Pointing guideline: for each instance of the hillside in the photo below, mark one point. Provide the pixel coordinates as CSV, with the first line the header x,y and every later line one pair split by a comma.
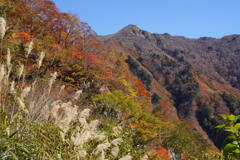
x,y
66,93
199,74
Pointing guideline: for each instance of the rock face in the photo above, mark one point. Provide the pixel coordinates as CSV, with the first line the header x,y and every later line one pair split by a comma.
x,y
200,78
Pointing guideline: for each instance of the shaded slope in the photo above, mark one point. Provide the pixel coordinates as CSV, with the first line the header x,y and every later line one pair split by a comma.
x,y
195,72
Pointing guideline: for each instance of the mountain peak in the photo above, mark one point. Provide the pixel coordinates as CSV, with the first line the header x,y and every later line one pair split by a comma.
x,y
130,29
131,26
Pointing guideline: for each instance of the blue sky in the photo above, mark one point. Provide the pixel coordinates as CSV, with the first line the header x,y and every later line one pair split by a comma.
x,y
189,18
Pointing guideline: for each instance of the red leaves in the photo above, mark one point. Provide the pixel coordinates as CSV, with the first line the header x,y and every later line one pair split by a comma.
x,y
141,88
26,37
81,55
139,83
91,56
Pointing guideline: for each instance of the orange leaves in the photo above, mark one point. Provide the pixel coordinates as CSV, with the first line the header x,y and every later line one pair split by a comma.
x,y
108,74
81,55
145,130
164,152
92,57
144,123
56,47
139,83
160,153
141,124
78,54
141,88
152,152
26,37
133,126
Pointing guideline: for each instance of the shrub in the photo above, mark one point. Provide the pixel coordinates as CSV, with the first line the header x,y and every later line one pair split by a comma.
x,y
231,150
142,74
232,103
155,98
183,140
131,112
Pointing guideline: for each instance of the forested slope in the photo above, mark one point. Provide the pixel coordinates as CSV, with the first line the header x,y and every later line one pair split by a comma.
x,y
65,94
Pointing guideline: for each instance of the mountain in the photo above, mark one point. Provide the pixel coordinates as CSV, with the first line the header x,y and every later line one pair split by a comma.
x,y
199,77
67,93
217,57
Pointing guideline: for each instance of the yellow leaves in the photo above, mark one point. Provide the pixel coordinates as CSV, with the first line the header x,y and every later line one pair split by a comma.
x,y
152,152
145,130
132,92
76,74
14,36
60,55
144,123
77,67
113,56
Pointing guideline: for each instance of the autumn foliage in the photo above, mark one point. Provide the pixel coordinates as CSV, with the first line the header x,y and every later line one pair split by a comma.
x,y
25,37
82,55
141,88
78,54
108,74
80,58
56,47
163,152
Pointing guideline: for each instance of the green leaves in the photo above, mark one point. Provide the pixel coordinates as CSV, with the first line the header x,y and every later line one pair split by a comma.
x,y
231,151
23,139
119,101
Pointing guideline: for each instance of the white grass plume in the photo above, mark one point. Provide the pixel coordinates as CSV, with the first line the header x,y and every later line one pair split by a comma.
x,y
127,157
9,58
115,151
61,90
102,147
102,156
78,139
34,85
12,87
28,48
117,130
2,72
22,105
3,27
20,71
85,113
40,59
83,122
93,125
25,92
82,153
117,141
145,157
100,136
77,94
51,81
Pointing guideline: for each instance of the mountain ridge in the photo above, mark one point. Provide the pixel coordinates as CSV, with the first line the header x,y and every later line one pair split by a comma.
x,y
203,70
132,95
133,26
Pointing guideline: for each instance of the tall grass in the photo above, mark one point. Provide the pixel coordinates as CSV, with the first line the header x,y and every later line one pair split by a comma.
x,y
37,123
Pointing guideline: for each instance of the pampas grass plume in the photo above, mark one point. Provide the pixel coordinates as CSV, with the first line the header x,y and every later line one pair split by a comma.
x,y
40,59
3,27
